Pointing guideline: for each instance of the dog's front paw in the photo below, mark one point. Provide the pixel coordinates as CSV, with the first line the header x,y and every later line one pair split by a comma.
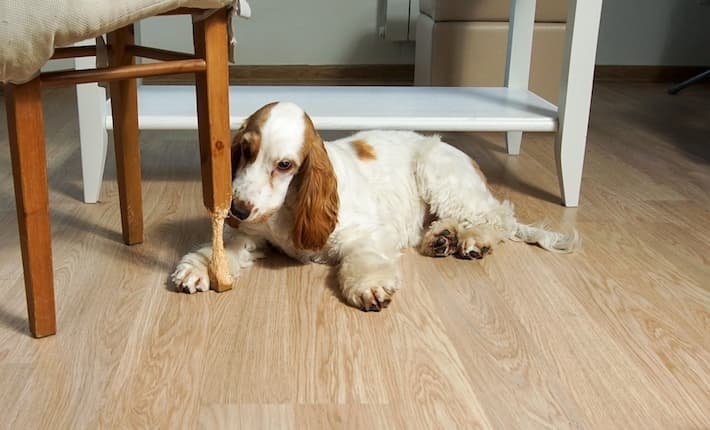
x,y
191,274
375,298
371,294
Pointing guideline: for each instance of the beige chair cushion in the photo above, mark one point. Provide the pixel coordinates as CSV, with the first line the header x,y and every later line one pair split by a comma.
x,y
489,10
31,29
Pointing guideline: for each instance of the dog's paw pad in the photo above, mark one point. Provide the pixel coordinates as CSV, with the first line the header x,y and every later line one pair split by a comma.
x,y
441,244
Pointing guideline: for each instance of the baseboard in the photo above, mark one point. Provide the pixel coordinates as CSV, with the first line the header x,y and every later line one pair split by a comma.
x,y
367,74
646,73
402,74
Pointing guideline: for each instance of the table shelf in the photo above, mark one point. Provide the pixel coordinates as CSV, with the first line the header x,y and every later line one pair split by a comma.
x,y
359,107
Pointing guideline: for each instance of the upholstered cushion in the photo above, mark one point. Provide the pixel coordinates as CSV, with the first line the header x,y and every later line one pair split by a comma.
x,y
31,29
489,10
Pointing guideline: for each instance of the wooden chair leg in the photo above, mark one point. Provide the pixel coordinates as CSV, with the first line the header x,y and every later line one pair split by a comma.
x,y
124,109
210,39
29,169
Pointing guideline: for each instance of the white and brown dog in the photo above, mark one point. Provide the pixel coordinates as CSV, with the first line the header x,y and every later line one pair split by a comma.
x,y
356,201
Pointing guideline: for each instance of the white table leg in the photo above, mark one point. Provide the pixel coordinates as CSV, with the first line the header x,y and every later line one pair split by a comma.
x,y
576,95
517,70
513,140
91,103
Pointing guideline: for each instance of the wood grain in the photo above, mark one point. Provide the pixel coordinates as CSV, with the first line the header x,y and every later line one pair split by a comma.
x,y
124,110
29,169
613,337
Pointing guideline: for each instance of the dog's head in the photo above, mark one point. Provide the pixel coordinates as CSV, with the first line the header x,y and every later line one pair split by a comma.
x,y
278,159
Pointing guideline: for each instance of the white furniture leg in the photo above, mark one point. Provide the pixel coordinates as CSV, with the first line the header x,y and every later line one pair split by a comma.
x,y
91,103
513,140
576,95
517,69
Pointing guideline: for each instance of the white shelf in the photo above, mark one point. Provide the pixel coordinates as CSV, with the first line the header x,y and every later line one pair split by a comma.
x,y
355,108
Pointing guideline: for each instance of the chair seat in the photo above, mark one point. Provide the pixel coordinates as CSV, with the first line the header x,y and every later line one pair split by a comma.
x,y
31,29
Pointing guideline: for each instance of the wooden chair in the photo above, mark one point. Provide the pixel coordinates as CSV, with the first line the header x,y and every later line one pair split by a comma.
x,y
26,135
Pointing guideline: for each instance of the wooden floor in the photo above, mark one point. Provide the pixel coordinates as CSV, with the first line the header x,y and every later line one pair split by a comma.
x,y
616,336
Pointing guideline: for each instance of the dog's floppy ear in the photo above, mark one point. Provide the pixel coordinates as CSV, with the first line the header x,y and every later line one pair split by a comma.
x,y
316,201
239,142
247,141
236,157
237,150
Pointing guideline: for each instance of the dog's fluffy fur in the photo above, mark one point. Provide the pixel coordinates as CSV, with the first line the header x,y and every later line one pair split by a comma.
x,y
356,202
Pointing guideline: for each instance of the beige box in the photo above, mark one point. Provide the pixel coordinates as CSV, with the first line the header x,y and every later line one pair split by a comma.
x,y
489,10
473,53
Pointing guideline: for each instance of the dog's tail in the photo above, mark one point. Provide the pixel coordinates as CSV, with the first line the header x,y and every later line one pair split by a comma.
x,y
547,239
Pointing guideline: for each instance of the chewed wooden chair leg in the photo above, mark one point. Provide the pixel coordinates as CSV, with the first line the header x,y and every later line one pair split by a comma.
x,y
212,88
124,109
29,169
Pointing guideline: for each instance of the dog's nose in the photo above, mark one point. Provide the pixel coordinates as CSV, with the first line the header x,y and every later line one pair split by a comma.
x,y
240,211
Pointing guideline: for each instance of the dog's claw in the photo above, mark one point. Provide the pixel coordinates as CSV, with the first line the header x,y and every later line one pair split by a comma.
x,y
373,307
376,299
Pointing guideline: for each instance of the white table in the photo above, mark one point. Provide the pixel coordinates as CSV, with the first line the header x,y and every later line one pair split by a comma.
x,y
512,109
360,107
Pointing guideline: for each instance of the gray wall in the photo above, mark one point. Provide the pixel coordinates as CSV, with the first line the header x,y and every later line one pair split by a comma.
x,y
633,32
655,32
298,32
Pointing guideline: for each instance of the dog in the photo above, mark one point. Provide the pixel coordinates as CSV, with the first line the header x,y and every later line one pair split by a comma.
x,y
356,202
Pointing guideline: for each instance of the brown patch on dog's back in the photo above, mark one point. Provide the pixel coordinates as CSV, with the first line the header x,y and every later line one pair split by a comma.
x,y
364,150
478,170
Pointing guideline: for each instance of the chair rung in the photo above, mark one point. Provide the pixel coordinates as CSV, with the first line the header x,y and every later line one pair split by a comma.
x,y
71,77
157,54
74,51
184,11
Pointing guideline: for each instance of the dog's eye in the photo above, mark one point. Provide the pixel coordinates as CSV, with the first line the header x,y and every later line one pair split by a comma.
x,y
283,165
